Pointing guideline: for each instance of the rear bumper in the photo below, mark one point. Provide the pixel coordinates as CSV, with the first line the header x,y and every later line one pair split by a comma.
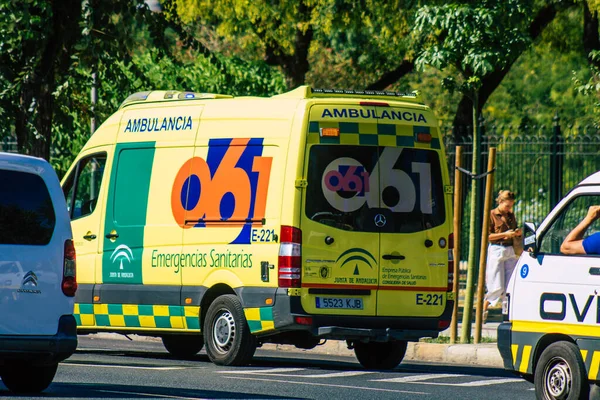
x,y
341,327
37,349
504,344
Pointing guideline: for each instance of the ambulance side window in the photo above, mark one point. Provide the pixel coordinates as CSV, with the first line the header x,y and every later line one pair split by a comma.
x,y
570,216
82,187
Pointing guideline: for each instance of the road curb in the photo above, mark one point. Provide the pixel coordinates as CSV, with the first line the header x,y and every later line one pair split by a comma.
x,y
483,354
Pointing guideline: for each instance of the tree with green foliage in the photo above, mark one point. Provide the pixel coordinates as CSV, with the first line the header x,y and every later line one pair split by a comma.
x,y
339,43
481,41
476,41
51,49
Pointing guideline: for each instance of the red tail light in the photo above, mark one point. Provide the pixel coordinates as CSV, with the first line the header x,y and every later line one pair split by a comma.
x,y
290,257
69,280
450,287
443,324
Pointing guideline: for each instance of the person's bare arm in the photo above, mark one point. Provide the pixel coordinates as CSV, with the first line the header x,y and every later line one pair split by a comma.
x,y
573,243
493,237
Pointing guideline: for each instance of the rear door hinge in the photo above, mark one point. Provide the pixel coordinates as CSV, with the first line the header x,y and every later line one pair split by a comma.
x,y
301,183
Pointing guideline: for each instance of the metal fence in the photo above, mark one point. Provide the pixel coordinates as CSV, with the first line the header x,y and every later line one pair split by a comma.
x,y
540,164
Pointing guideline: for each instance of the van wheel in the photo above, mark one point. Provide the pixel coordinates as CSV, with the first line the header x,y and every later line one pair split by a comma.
x,y
377,355
28,378
226,332
560,373
183,346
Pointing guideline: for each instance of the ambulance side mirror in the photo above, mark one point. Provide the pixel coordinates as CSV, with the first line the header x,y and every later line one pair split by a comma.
x,y
529,242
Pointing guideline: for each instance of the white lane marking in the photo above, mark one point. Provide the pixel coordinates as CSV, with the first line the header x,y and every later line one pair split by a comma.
x,y
484,382
262,371
274,372
416,378
325,384
72,364
149,394
331,374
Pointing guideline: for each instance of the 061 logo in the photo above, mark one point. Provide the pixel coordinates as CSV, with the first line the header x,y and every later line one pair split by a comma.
x,y
347,185
229,188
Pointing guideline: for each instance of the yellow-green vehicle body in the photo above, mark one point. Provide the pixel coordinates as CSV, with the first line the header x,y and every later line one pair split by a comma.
x,y
326,214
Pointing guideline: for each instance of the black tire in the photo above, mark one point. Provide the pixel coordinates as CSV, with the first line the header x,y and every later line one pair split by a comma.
x,y
183,346
28,378
561,374
377,355
226,333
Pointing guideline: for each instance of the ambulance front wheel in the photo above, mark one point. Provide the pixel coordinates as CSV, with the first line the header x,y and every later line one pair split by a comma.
x,y
377,355
560,373
183,346
226,333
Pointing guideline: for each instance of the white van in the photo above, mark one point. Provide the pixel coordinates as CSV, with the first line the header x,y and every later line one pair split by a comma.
x,y
37,274
551,333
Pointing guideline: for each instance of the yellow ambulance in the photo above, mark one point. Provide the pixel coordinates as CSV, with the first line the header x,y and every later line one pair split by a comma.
x,y
237,221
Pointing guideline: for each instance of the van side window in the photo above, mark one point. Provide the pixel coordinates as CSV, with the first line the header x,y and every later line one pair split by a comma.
x,y
82,187
26,210
569,217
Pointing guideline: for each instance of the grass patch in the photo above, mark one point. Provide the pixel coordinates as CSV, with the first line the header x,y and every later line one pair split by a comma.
x,y
446,340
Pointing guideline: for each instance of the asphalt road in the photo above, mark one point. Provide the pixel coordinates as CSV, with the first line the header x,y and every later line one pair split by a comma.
x,y
142,369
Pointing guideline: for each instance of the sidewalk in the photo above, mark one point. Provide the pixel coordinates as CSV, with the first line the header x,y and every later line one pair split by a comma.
x,y
483,354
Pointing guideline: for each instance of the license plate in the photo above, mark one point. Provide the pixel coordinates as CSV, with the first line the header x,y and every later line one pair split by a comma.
x,y
339,303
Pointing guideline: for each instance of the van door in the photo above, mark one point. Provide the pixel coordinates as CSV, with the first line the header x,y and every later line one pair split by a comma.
x,y
554,292
84,192
414,233
141,264
32,237
374,224
340,238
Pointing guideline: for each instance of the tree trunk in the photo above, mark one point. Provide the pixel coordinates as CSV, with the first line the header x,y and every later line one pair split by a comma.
x,y
33,122
296,66
21,117
393,76
591,40
474,243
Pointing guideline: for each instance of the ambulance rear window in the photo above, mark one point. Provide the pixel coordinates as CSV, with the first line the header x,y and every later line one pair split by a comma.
x,y
375,189
26,209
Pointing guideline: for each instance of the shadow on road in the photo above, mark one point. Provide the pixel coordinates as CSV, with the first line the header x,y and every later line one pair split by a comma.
x,y
111,391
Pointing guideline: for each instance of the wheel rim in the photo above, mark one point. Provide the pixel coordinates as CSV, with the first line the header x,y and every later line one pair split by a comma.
x,y
224,331
557,378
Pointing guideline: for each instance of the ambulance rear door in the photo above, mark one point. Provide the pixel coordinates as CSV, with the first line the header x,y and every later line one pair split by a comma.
x,y
340,240
412,220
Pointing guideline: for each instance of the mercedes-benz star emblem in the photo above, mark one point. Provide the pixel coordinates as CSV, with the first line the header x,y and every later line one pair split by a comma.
x,y
380,220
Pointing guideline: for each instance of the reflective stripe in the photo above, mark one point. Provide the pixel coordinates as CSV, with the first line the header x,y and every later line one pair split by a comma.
x,y
525,358
515,350
593,374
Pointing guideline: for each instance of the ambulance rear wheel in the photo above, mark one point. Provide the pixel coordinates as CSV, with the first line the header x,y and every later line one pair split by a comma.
x,y
377,355
183,346
561,374
226,332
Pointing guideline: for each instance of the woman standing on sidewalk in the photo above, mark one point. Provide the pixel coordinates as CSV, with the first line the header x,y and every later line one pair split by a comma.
x,y
501,258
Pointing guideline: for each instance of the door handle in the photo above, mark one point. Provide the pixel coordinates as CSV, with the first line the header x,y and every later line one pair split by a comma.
x,y
112,235
594,271
89,236
393,257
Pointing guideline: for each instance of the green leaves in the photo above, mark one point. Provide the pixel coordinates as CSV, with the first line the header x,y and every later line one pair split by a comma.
x,y
476,39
